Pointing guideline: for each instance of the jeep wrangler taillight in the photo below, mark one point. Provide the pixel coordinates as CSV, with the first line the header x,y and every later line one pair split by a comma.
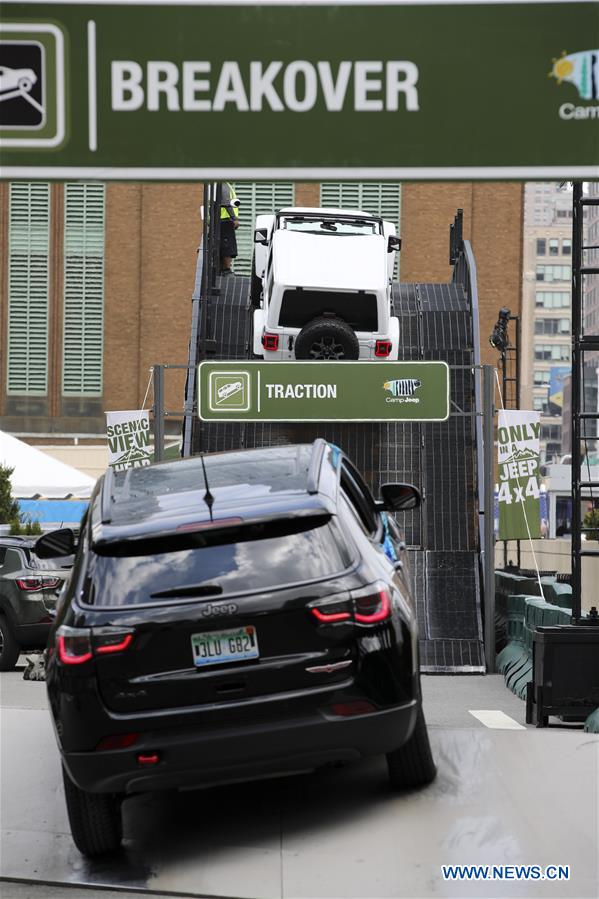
x,y
270,342
382,348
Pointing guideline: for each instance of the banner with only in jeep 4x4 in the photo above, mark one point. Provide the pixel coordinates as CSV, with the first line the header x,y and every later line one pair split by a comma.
x,y
323,391
207,91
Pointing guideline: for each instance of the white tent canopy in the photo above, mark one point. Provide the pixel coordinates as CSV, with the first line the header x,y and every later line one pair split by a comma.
x,y
37,474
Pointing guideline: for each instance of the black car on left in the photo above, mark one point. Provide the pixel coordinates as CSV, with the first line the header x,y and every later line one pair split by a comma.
x,y
29,588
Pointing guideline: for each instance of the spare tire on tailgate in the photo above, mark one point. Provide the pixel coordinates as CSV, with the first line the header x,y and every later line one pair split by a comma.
x,y
327,338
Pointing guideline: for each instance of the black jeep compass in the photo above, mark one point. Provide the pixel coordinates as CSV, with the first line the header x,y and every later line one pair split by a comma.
x,y
229,616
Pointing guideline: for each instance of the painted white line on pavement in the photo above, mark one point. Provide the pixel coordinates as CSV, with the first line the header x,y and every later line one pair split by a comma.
x,y
496,719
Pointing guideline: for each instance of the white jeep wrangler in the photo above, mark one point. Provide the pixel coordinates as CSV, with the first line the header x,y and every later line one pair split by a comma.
x,y
321,285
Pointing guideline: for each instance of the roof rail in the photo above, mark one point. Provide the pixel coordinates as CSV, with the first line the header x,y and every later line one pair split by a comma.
x,y
106,498
318,448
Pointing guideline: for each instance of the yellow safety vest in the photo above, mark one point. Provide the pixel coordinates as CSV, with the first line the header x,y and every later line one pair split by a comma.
x,y
225,211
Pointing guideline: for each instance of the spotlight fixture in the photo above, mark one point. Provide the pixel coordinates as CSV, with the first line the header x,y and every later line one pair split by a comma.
x,y
499,338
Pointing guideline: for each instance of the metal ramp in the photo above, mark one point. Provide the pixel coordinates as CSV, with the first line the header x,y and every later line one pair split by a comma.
x,y
436,322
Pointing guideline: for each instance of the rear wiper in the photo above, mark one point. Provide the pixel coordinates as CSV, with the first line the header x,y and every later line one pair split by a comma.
x,y
190,590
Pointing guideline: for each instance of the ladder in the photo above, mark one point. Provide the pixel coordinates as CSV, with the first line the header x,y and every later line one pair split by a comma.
x,y
585,422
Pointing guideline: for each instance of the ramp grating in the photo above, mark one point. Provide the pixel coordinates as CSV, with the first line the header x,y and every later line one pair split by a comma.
x,y
438,457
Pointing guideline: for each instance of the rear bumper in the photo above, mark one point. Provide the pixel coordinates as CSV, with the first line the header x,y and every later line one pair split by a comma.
x,y
192,757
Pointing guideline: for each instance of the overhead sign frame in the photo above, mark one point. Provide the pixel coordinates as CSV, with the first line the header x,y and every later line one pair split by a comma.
x,y
142,98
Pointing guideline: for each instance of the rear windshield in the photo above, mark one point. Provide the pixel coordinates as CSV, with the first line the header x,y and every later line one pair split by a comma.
x,y
51,564
299,554
33,561
359,310
245,473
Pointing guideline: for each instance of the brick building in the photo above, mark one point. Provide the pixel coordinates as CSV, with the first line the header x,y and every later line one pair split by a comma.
x,y
97,279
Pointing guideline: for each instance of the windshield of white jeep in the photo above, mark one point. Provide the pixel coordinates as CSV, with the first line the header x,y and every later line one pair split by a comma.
x,y
326,225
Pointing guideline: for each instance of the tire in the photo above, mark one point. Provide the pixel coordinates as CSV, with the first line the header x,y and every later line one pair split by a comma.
x,y
327,338
255,286
95,819
9,648
412,765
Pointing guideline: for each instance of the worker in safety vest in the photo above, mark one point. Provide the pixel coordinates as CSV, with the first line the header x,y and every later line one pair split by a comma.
x,y
229,222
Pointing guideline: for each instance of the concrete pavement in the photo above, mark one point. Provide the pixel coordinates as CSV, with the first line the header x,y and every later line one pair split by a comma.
x,y
502,797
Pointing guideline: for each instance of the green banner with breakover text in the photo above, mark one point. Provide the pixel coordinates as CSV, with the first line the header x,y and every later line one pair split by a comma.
x,y
206,91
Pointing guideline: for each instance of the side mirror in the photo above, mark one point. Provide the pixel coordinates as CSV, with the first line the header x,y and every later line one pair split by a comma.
x,y
400,497
56,544
393,243
261,236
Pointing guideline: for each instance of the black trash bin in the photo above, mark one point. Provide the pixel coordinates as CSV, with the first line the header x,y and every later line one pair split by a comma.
x,y
565,673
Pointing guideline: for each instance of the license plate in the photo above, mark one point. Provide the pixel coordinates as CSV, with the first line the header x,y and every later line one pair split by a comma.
x,y
214,647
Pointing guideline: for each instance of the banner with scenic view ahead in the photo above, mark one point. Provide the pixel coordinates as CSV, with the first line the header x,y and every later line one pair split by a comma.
x,y
323,391
398,90
518,471
128,435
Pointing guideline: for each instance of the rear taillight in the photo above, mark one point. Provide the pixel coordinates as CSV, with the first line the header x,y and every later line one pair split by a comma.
x,y
73,645
112,642
31,584
382,348
77,645
330,611
329,616
370,605
270,342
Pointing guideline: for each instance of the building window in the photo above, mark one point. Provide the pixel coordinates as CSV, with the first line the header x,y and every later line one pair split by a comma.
x,y
541,377
552,352
257,198
378,198
28,288
552,326
552,451
83,311
554,273
552,299
541,246
551,432
554,247
566,246
538,403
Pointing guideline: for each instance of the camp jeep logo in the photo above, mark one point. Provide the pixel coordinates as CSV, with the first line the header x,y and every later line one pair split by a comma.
x,y
582,70
32,85
402,390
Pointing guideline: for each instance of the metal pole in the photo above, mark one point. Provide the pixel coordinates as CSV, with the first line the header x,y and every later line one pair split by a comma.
x,y
575,402
158,413
517,406
489,529
503,360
